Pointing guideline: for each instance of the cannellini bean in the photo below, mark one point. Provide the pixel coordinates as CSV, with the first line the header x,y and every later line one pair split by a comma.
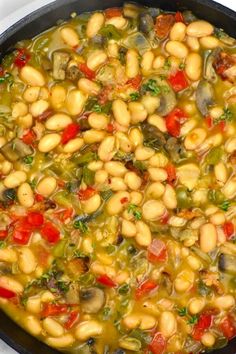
x,y
208,339
199,28
188,175
118,21
177,49
31,94
117,202
136,198
218,218
112,49
193,262
230,145
33,304
107,148
143,236
89,87
157,174
224,302
176,221
115,168
150,103
95,165
95,23
132,180
138,112
11,284
47,186
75,102
178,32
169,197
158,62
189,125
92,204
6,167
143,153
3,141
147,61
38,107
88,329
32,76
98,121
139,320
121,113
155,190
153,210
25,195
48,142
193,66
124,142
19,109
184,281
47,296
117,184
93,136
132,63
73,145
158,160
196,305
58,96
158,122
136,136
69,36
216,112
167,324
25,121
52,327
193,43
209,42
195,138
101,176
61,342
8,255
32,325
208,237
58,122
14,179
27,261
221,173
96,58
128,228
229,188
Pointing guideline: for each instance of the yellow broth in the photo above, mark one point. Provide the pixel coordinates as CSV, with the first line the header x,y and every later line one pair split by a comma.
x,y
117,184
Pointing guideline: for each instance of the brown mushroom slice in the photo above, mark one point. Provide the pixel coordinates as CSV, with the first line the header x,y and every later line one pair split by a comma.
x,y
91,299
60,61
15,150
204,96
73,73
209,71
227,263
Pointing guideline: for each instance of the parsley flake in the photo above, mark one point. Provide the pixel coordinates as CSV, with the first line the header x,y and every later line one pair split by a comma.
x,y
132,208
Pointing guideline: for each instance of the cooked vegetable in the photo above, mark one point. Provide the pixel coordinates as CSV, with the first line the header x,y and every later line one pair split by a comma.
x,y
16,149
146,23
204,97
227,263
60,61
91,299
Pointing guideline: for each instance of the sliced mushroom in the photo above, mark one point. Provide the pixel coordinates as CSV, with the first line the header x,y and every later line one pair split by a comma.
x,y
167,101
227,263
91,299
153,137
146,23
72,295
209,71
15,149
73,73
60,61
204,96
138,41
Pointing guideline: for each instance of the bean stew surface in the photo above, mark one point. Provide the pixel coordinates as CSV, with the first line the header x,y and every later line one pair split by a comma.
x,y
118,184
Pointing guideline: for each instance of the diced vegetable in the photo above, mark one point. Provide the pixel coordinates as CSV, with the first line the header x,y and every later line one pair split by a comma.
x,y
15,149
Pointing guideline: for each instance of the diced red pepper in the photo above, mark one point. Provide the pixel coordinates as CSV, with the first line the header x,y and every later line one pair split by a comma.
x,y
209,121
228,327
157,251
64,214
3,234
171,173
50,232
204,322
73,318
22,231
145,288
179,17
39,198
35,218
178,81
113,12
6,294
70,132
135,82
29,137
228,229
124,200
106,281
90,74
158,344
85,194
54,309
163,25
22,58
173,120
110,128
1,71
164,219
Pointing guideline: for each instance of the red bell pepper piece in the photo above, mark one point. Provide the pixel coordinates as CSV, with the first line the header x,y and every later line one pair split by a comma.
x,y
35,219
135,82
3,234
124,200
39,198
171,173
72,319
158,344
85,194
89,74
110,128
70,132
157,251
54,309
6,294
106,281
179,17
204,322
173,120
228,327
178,81
22,232
29,137
50,232
22,58
113,12
228,229
145,288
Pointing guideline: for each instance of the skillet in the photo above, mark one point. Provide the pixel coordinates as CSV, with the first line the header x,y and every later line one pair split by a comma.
x,y
46,17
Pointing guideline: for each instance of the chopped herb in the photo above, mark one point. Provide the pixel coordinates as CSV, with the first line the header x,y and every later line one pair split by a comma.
x,y
106,312
106,195
214,156
132,208
193,319
152,87
7,78
134,96
81,226
123,156
79,254
182,66
88,176
33,183
219,33
110,249
225,205
167,64
85,158
140,165
111,32
63,286
97,108
203,289
144,337
3,244
28,160
183,311
227,116
124,289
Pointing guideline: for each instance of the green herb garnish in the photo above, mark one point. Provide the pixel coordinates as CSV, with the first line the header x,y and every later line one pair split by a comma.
x,y
106,195
225,205
183,311
97,108
227,116
28,160
124,289
132,208
81,226
193,319
134,96
152,87
167,64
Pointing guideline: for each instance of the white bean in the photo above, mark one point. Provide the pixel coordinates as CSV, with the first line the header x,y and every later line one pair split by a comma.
x,y
88,329
32,76
225,302
11,284
155,190
52,327
229,188
98,121
89,87
118,21
107,148
95,23
117,184
151,103
64,341
124,142
199,28
25,195
128,228
158,160
167,324
143,153
195,138
70,36
193,43
169,197
138,112
177,49
58,122
139,320
121,113
96,58
38,107
32,325
49,142
92,204
132,63
33,304
8,255
157,174
47,186
58,96
117,202
27,261
19,109
143,236
14,179
75,102
31,94
158,122
209,42
208,237
221,173
147,61
153,210
208,339
115,168
193,66
178,32
73,145
136,137
93,136
132,180
196,305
